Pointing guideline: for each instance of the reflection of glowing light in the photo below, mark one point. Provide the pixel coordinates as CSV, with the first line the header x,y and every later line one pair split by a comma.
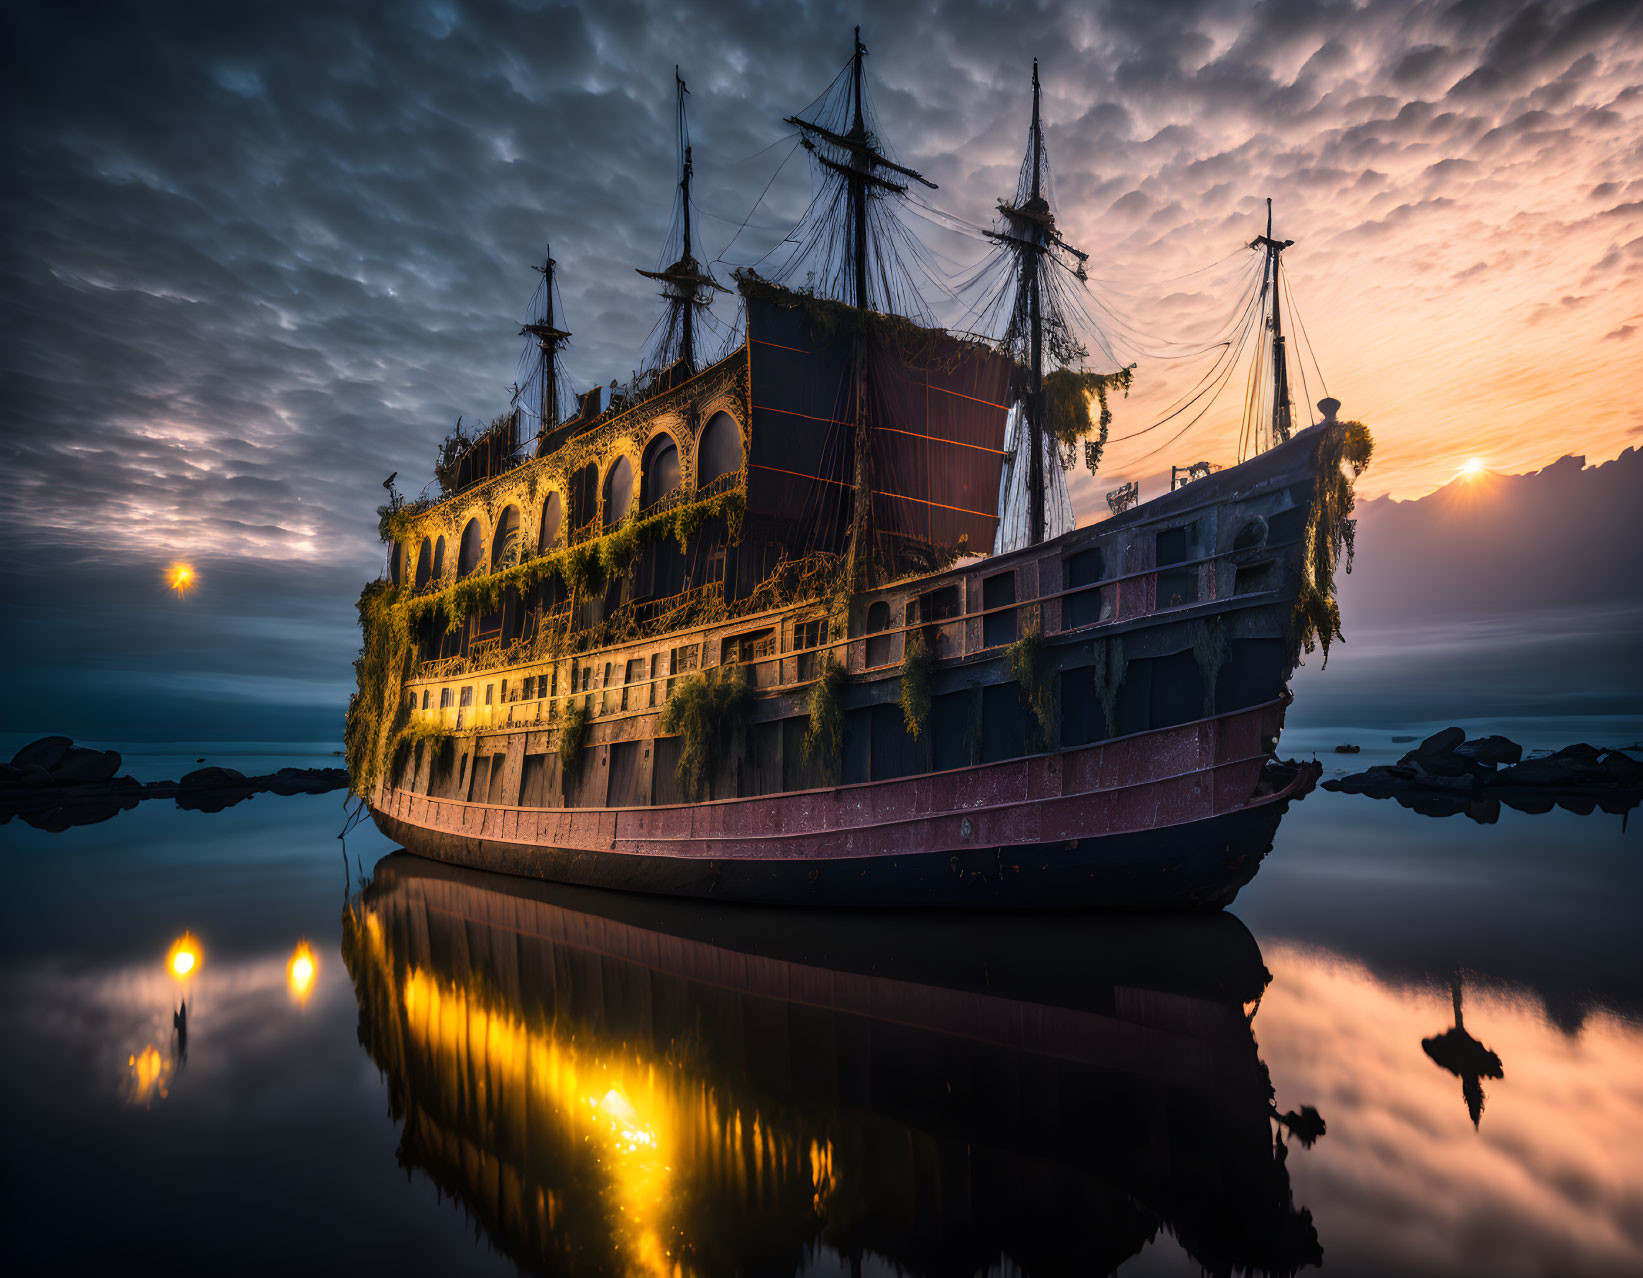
x,y
629,1124
181,578
148,1076
299,972
184,956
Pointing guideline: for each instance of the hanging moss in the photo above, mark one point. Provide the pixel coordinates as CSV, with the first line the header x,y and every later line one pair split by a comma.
x,y
442,739
919,346
573,734
707,711
1329,531
585,568
619,549
684,521
1037,693
1209,650
1109,668
1067,398
917,663
824,734
378,710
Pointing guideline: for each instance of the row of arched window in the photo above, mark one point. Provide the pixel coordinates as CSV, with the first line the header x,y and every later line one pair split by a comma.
x,y
718,453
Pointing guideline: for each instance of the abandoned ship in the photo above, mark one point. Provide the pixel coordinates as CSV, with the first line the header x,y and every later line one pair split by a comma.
x,y
806,618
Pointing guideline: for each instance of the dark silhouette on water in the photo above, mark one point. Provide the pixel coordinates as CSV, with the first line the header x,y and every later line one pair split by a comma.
x,y
179,1032
1465,1057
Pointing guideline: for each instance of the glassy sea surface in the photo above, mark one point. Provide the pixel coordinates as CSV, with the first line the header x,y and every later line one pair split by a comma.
x,y
392,1066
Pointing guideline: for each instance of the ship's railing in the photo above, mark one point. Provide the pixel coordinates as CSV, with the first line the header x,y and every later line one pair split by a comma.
x,y
586,532
675,496
1126,600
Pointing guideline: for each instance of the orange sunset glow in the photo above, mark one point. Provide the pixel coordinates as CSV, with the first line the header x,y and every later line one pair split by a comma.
x,y
181,578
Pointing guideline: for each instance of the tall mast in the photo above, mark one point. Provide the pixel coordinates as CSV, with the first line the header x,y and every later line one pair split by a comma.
x,y
548,341
1030,233
858,161
688,344
1035,319
685,283
858,186
1281,415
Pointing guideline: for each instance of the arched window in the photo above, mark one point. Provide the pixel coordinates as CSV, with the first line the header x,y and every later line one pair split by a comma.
x,y
660,471
396,563
878,643
720,451
551,517
439,559
424,563
618,491
505,545
472,552
584,489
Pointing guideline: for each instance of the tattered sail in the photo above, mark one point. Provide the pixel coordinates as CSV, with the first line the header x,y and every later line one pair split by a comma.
x,y
1015,498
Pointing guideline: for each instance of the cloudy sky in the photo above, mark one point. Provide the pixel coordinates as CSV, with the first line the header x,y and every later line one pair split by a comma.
x,y
258,256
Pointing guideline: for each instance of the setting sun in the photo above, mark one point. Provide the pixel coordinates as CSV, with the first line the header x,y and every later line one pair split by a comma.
x,y
181,578
1473,467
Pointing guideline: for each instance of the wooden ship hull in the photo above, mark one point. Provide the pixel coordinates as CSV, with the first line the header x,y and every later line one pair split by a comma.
x,y
771,1072
1175,808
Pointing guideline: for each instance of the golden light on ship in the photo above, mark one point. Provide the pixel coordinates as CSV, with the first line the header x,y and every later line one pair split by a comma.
x,y
183,957
300,972
181,578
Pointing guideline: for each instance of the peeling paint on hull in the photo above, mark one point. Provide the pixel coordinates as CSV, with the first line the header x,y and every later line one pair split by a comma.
x,y
1169,818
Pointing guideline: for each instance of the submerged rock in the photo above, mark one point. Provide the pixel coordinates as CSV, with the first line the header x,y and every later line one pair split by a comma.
x,y
78,786
1446,775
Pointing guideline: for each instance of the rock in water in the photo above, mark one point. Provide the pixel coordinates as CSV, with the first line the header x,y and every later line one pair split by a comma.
x,y
80,766
213,789
1491,750
45,753
1439,743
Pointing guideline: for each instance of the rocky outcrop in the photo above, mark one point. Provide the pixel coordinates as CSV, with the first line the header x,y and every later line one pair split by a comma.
x,y
1447,775
53,784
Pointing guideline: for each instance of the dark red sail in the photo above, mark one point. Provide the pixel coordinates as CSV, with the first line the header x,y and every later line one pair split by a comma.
x,y
934,403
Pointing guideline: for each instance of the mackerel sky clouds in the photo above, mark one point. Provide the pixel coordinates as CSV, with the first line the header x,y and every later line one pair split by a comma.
x,y
258,256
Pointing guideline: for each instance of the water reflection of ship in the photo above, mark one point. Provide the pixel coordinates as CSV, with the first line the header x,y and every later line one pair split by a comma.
x,y
632,1084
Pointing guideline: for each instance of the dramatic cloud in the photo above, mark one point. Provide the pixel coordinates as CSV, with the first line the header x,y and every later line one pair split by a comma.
x,y
257,258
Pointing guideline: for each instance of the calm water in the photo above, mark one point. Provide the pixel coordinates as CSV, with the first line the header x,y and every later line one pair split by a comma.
x,y
486,1076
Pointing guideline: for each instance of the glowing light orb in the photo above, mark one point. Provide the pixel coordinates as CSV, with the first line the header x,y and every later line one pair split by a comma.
x,y
1473,467
183,957
300,972
181,578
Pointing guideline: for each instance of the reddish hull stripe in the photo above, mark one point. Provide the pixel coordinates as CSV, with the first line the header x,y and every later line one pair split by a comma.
x,y
1015,802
